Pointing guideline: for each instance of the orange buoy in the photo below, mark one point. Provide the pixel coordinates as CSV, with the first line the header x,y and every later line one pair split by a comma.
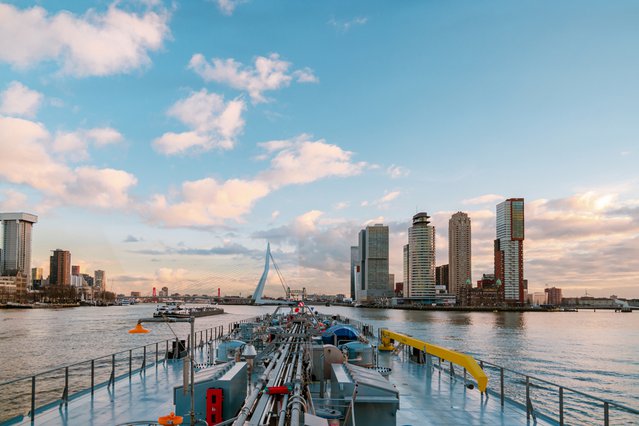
x,y
170,420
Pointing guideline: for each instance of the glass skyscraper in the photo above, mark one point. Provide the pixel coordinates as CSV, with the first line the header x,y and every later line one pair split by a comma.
x,y
509,249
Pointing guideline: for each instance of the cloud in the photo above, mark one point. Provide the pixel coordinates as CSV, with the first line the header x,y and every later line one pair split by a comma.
x,y
131,239
344,26
27,161
19,100
388,197
12,200
213,123
302,160
210,202
226,249
269,73
227,7
485,199
75,145
341,205
397,171
93,44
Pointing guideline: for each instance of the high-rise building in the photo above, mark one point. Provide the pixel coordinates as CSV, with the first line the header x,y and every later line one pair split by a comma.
x,y
509,249
16,243
354,263
554,296
441,276
60,268
36,278
373,263
391,283
100,280
459,252
75,270
419,259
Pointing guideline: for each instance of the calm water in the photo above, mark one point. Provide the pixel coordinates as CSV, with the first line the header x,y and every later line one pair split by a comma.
x,y
597,352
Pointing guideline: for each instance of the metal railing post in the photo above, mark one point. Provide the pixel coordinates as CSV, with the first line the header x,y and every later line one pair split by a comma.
x,y
527,398
501,385
130,361
65,392
112,378
561,406
606,414
166,351
156,354
33,397
143,361
92,375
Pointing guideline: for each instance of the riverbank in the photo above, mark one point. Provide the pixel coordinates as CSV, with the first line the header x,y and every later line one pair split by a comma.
x,y
13,305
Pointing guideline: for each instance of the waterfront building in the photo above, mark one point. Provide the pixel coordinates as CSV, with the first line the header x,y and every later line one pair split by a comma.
x,y
441,276
373,264
13,288
486,295
487,280
537,299
391,284
165,292
419,259
15,256
60,268
554,296
100,280
459,252
399,289
88,279
36,278
509,249
354,268
75,270
134,293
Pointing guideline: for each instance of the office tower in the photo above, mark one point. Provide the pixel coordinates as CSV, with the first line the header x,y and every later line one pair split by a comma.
x,y
509,249
441,276
75,270
419,258
373,263
459,252
391,284
354,263
554,295
36,278
60,268
16,243
100,280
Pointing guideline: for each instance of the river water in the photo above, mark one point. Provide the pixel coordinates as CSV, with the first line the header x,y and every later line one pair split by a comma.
x,y
595,352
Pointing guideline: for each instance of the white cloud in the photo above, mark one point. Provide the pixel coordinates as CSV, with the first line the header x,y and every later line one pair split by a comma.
x,y
389,197
19,100
74,146
301,160
344,26
102,136
213,123
397,171
208,202
27,161
227,7
341,205
485,199
269,73
93,44
12,200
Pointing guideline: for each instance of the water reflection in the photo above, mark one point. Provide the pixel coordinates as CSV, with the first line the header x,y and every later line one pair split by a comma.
x,y
510,320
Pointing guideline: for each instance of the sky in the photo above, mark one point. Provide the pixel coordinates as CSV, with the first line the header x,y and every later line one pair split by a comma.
x,y
167,142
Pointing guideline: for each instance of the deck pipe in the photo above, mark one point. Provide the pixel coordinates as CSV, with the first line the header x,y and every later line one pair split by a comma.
x,y
297,393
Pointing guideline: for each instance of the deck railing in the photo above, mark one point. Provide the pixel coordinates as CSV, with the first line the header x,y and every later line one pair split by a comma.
x,y
24,397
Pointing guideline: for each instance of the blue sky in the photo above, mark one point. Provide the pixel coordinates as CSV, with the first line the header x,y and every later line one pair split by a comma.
x,y
165,142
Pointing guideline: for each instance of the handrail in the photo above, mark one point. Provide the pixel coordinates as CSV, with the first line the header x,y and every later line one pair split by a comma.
x,y
565,388
463,360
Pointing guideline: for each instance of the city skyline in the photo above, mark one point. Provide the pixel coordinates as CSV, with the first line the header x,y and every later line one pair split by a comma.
x,y
177,156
